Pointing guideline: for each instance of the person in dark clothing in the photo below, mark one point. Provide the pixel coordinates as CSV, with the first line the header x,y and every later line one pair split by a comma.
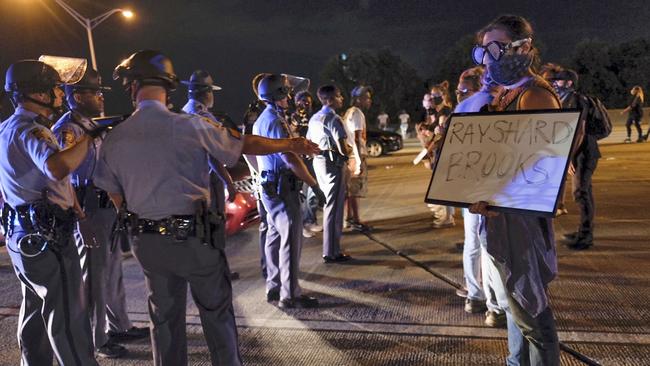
x,y
635,114
583,163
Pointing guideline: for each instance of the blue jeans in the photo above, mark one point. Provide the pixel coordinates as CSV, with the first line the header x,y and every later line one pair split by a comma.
x,y
532,341
472,256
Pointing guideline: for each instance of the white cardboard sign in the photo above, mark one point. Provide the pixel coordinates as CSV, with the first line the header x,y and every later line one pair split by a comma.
x,y
515,161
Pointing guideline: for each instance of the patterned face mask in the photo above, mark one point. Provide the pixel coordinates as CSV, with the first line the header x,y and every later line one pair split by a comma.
x,y
510,68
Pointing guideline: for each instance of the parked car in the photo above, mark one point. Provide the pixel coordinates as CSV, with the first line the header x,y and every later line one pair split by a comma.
x,y
242,212
382,142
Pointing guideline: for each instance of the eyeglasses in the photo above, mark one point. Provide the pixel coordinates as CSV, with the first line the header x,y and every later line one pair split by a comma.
x,y
495,49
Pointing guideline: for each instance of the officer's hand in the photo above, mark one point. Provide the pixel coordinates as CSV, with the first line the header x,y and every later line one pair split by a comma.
x,y
481,208
302,146
320,196
232,192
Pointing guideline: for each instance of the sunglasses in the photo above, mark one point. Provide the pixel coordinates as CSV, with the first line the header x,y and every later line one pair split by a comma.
x,y
495,50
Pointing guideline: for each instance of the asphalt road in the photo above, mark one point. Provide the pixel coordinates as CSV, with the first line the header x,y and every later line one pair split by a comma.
x,y
394,304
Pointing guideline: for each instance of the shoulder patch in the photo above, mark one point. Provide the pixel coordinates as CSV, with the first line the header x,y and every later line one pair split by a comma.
x,y
68,137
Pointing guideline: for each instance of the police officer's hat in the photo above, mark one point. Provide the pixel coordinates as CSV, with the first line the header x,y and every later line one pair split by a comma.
x,y
360,90
90,81
200,81
31,76
273,87
149,67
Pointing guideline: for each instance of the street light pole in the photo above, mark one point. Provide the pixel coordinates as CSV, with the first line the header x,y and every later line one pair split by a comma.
x,y
90,24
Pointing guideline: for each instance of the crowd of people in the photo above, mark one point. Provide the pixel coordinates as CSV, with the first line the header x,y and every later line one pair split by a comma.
x,y
76,192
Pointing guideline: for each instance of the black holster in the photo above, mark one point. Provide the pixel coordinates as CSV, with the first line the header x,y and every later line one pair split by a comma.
x,y
207,224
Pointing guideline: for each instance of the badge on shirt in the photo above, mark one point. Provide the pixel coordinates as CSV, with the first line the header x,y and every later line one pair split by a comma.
x,y
68,137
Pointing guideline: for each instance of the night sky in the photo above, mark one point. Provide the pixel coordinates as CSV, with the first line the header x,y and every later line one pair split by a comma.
x,y
237,39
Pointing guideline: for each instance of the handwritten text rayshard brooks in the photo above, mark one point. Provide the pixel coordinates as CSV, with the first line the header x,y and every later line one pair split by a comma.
x,y
474,163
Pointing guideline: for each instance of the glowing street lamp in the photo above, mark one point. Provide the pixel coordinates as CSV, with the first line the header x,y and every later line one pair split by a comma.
x,y
90,24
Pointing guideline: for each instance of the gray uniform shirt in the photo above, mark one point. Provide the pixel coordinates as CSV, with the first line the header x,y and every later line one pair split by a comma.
x,y
67,133
326,129
158,160
26,146
193,106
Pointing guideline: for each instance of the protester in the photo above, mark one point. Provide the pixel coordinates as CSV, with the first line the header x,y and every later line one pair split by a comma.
x,y
443,216
404,119
585,159
356,130
382,120
549,71
635,114
521,246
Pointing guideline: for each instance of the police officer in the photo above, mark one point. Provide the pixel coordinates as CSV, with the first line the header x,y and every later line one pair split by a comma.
x,y
326,129
281,174
39,218
101,262
155,166
201,90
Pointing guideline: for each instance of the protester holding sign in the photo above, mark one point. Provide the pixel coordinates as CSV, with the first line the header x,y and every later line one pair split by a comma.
x,y
521,246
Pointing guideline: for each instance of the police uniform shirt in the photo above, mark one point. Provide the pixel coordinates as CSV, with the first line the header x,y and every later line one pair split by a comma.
x,y
26,146
193,106
326,129
272,125
158,160
68,132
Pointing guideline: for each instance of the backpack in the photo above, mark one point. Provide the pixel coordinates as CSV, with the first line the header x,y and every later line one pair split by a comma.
x,y
598,123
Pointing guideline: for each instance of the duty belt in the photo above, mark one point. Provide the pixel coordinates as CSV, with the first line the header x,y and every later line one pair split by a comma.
x,y
177,225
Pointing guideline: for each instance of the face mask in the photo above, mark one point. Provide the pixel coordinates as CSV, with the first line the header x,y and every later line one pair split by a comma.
x,y
562,91
510,68
437,100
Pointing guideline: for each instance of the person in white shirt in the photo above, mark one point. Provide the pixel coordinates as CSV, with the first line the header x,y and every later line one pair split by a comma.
x,y
382,121
404,119
355,124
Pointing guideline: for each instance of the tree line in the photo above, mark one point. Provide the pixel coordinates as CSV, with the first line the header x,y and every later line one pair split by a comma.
x,y
607,71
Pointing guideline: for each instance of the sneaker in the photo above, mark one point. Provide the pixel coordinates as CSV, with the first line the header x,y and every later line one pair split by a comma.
x,y
273,295
132,334
307,233
640,139
561,211
580,244
357,226
342,257
443,225
461,292
494,319
110,350
301,302
627,141
474,306
315,228
571,236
